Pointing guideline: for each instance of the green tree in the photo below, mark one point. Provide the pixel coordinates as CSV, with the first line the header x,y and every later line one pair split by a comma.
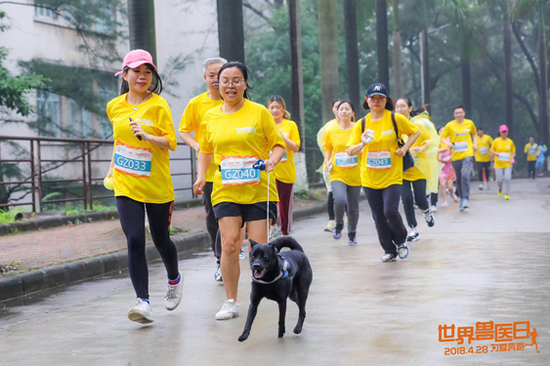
x,y
13,97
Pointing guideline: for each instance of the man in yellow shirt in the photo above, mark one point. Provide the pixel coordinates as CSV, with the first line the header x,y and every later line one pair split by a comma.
x,y
462,136
191,122
483,156
504,152
532,150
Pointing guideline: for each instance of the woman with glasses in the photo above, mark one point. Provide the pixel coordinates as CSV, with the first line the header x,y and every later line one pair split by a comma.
x,y
236,135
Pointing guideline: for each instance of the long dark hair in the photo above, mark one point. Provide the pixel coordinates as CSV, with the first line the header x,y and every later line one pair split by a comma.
x,y
417,111
156,85
389,104
244,70
346,101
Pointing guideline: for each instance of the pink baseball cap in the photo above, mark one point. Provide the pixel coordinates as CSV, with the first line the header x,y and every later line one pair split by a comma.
x,y
136,58
503,128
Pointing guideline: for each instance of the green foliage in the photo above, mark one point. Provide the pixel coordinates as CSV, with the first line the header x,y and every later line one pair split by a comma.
x,y
13,89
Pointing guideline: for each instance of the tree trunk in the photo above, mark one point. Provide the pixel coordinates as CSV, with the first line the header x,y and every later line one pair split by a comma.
x,y
297,91
507,40
141,24
425,56
231,29
466,80
328,49
543,95
382,43
352,53
398,91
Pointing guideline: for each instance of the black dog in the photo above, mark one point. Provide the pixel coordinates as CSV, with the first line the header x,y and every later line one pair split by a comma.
x,y
278,277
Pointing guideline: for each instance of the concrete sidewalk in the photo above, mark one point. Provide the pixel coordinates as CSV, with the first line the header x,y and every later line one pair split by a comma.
x,y
488,264
50,258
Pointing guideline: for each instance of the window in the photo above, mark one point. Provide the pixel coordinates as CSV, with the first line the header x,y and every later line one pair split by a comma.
x,y
49,113
40,11
79,120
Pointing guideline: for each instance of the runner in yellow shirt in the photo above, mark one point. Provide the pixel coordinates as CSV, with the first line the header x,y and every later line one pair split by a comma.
x,y
532,150
285,171
483,157
143,133
424,150
326,175
462,136
235,135
382,167
190,122
504,152
345,172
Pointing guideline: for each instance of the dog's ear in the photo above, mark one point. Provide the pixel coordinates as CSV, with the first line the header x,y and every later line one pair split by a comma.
x,y
252,243
274,248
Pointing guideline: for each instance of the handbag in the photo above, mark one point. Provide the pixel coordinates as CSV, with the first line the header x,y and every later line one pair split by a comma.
x,y
408,160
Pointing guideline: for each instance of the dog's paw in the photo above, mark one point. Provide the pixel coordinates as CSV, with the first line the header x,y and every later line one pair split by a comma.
x,y
297,330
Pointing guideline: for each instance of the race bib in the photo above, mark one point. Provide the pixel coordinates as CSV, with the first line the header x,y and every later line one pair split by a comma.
x,y
504,156
379,159
343,160
238,170
134,161
461,146
483,150
532,151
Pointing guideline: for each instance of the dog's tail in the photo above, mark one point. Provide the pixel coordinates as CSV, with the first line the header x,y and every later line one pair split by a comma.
x,y
287,242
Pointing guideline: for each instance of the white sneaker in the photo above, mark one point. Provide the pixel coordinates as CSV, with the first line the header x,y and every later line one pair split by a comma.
x,y
230,309
330,226
413,235
241,255
141,312
433,208
218,273
174,295
481,186
403,251
274,232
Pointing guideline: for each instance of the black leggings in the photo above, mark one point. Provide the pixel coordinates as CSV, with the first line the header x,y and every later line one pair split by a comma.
x,y
419,187
384,204
132,220
330,206
531,168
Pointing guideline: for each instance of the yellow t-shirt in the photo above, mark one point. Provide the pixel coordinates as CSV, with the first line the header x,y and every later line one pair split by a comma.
x,y
461,136
322,132
237,141
380,167
505,151
345,168
483,153
142,170
191,121
532,151
285,171
414,173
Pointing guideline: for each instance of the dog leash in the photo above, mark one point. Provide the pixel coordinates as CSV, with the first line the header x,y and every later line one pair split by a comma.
x,y
260,165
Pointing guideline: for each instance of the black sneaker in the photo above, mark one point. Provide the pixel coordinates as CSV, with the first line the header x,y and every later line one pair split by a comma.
x,y
352,238
429,217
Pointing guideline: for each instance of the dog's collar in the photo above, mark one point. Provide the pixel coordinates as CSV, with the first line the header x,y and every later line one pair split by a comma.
x,y
284,274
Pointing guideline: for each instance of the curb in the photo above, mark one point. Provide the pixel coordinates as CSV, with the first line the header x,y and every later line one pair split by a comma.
x,y
64,274
49,222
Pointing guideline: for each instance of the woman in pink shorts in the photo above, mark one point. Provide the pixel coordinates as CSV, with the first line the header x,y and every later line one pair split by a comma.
x,y
447,175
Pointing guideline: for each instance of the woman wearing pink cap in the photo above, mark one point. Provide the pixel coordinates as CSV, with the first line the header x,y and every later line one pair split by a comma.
x,y
504,152
143,133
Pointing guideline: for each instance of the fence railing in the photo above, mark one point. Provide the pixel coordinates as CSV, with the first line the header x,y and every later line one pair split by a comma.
x,y
83,148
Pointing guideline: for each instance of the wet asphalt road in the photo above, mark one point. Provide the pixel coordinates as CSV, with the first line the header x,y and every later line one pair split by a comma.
x,y
491,263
